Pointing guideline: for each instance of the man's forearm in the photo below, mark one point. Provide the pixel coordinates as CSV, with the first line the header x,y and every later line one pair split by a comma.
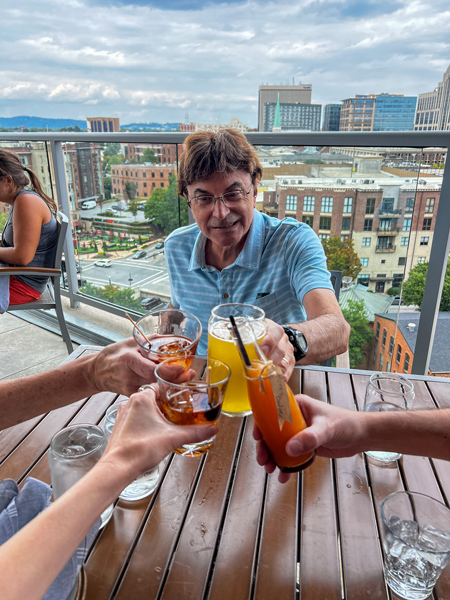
x,y
424,432
326,336
25,398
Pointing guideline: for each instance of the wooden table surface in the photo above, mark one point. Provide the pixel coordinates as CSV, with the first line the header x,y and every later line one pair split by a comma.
x,y
218,528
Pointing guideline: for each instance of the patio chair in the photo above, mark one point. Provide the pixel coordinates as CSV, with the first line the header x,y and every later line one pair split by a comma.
x,y
51,297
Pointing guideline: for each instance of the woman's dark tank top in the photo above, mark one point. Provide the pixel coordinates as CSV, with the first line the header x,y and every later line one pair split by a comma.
x,y
45,252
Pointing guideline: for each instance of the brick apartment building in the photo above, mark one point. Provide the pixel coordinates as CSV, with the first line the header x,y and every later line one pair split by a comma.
x,y
147,177
164,153
391,224
83,172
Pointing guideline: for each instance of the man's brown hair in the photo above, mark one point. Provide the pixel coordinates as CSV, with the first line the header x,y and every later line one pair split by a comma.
x,y
206,152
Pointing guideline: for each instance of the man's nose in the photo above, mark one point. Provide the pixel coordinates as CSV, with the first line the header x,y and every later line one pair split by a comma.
x,y
220,210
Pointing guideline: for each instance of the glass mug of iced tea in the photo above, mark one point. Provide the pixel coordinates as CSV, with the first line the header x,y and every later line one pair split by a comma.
x,y
194,402
221,346
168,333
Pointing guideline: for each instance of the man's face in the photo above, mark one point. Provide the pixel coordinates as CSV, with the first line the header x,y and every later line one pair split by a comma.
x,y
223,226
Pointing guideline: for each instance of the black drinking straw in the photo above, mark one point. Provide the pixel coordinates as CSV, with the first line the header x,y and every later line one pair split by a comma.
x,y
242,349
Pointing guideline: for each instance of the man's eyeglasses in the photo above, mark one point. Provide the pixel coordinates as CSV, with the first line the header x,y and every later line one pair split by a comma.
x,y
230,199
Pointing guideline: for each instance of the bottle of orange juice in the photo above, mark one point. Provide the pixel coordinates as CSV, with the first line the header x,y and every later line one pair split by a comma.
x,y
274,408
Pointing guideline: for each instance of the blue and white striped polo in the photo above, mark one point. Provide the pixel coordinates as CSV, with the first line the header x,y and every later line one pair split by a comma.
x,y
281,261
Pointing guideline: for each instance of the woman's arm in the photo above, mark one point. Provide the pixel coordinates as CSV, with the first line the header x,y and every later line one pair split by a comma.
x,y
31,560
30,213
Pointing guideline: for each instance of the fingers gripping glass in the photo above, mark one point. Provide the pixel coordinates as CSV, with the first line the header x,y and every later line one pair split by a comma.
x,y
229,199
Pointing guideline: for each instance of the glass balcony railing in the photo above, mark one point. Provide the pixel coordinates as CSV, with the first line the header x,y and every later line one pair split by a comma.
x,y
361,188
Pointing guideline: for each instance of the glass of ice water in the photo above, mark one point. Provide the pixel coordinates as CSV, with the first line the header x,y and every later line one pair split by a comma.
x,y
73,452
146,483
416,542
385,392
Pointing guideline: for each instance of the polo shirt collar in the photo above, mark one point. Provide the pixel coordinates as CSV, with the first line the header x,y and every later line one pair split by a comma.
x,y
249,257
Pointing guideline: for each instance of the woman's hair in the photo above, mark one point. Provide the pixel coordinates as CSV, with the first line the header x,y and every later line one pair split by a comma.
x,y
206,152
10,165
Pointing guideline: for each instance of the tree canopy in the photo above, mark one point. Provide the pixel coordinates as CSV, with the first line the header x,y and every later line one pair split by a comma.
x,y
166,209
341,256
361,334
131,190
414,286
148,156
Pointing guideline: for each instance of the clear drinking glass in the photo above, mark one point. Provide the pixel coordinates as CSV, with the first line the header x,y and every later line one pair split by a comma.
x,y
416,541
195,402
146,483
384,392
172,333
73,452
221,346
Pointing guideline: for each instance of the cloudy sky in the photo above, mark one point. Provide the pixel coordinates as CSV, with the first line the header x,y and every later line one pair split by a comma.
x,y
165,60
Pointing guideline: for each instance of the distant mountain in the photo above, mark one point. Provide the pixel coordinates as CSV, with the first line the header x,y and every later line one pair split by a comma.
x,y
40,122
151,126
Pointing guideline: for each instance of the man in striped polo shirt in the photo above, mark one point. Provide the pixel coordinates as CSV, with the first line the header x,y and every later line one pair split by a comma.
x,y
233,253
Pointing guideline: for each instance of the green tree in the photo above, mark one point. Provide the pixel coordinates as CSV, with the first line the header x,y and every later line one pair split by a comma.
x,y
130,190
133,206
112,149
125,297
341,256
3,219
148,156
361,334
414,287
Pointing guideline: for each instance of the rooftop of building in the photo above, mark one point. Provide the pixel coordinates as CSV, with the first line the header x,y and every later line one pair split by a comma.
x,y
373,303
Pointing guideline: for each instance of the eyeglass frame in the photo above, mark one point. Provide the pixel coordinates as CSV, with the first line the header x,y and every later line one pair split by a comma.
x,y
215,198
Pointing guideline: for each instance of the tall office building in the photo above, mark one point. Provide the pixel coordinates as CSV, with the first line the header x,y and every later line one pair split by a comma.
x,y
433,108
331,117
102,124
378,112
293,102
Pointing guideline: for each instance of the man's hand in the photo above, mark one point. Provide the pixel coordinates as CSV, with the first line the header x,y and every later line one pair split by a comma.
x,y
332,432
122,369
277,347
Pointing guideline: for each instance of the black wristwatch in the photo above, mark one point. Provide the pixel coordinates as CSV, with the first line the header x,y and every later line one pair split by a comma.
x,y
298,341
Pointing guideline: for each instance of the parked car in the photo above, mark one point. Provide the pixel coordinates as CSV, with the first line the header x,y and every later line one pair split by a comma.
x,y
119,207
140,254
159,245
149,303
103,262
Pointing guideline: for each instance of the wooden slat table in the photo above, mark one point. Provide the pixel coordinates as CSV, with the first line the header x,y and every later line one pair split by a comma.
x,y
218,528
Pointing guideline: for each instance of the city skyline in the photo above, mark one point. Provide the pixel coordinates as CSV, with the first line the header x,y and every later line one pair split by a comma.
x,y
142,63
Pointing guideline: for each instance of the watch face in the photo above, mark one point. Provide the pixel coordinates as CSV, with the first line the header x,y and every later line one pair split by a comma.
x,y
302,342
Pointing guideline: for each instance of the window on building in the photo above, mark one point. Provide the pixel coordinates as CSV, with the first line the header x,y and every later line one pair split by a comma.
x,y
327,204
325,223
399,353
391,345
370,206
366,241
404,241
348,202
363,280
420,260
406,367
324,236
375,352
387,205
308,220
153,173
385,224
377,333
144,174
162,184
291,202
397,280
429,205
346,224
145,184
407,224
364,262
424,241
368,224
388,367
161,174
308,203
409,205
381,362
426,225
383,339
401,260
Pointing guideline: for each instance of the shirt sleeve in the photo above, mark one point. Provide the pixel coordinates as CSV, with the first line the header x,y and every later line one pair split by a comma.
x,y
306,262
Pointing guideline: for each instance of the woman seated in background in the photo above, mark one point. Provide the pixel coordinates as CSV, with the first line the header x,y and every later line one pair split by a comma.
x,y
30,234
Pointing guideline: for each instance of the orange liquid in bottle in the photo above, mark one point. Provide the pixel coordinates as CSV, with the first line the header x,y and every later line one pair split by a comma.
x,y
266,417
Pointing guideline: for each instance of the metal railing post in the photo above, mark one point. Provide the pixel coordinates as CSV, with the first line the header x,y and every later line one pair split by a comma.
x,y
63,197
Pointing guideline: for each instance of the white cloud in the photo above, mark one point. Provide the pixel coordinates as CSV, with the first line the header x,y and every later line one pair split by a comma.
x,y
151,64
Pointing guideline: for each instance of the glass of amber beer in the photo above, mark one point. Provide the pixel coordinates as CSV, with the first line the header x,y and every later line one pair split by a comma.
x,y
221,346
168,333
195,402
